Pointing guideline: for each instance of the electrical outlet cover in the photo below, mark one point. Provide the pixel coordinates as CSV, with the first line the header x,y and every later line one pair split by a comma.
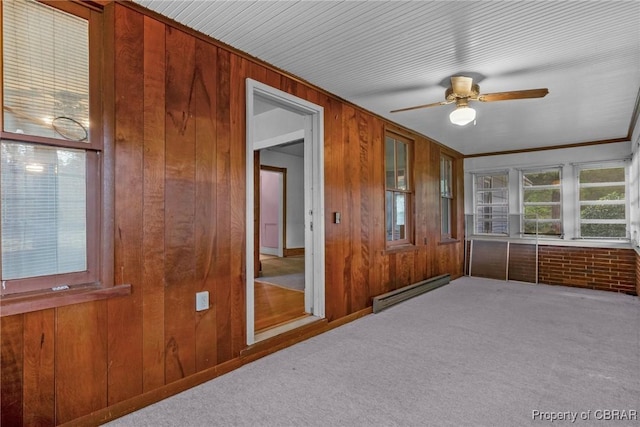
x,y
202,301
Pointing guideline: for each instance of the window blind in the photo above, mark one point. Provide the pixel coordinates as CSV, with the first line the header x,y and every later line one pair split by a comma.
x,y
43,199
45,72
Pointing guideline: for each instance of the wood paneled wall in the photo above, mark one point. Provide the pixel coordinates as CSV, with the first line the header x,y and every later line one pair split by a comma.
x,y
179,145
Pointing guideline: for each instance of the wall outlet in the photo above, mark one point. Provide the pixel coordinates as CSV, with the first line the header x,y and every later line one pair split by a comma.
x,y
202,301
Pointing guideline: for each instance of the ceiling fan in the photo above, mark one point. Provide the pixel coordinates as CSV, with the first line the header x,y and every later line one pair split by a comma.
x,y
463,90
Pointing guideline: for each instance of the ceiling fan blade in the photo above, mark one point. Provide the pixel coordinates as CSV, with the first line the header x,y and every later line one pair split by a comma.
x,y
435,104
461,85
516,94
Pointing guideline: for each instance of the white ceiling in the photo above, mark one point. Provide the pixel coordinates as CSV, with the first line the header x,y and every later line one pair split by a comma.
x,y
385,55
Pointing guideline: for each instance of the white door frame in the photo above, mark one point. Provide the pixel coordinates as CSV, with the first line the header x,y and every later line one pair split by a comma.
x,y
314,199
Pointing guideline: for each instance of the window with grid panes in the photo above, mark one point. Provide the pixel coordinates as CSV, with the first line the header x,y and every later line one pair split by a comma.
x,y
542,202
50,148
446,197
602,202
398,191
491,203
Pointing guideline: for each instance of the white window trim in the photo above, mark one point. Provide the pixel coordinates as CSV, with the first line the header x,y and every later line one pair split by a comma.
x,y
561,203
474,177
625,163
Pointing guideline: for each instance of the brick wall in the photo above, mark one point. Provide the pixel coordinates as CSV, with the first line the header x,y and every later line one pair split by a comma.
x,y
522,262
594,268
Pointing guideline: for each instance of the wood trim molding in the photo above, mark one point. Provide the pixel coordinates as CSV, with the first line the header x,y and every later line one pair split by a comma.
x,y
127,406
248,355
293,252
635,117
551,147
22,303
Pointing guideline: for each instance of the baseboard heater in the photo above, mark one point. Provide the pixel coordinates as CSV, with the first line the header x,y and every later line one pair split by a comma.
x,y
394,297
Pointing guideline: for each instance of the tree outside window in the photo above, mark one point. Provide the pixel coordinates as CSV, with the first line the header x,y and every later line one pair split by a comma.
x,y
542,202
602,194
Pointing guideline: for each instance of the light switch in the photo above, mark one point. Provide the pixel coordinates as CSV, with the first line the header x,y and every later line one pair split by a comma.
x,y
336,217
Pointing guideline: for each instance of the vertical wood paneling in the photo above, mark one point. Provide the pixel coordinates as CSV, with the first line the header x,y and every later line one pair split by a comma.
x,y
223,208
125,314
362,205
180,228
378,240
80,360
153,206
39,351
179,206
11,370
337,300
272,79
351,190
405,269
205,235
239,71
423,208
289,85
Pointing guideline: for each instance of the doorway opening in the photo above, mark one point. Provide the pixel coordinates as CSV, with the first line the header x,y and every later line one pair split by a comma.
x,y
285,212
272,209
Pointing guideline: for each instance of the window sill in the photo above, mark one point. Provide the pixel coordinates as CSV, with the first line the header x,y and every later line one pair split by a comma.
x,y
19,304
547,241
399,249
448,241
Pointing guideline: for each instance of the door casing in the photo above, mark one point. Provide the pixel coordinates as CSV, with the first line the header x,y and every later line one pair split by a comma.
x,y
314,197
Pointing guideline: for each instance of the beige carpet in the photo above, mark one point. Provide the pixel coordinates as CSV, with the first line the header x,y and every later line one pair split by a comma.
x,y
476,352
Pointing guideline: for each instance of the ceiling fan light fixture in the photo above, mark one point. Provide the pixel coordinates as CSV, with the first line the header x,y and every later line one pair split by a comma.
x,y
462,115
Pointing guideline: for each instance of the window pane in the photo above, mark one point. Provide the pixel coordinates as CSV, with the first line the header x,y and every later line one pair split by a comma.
x,y
603,230
389,214
542,202
609,192
446,216
390,162
542,212
491,181
492,219
545,195
46,71
602,211
492,197
396,207
402,164
400,210
602,202
541,178
445,177
398,186
43,199
602,175
492,203
495,212
543,228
